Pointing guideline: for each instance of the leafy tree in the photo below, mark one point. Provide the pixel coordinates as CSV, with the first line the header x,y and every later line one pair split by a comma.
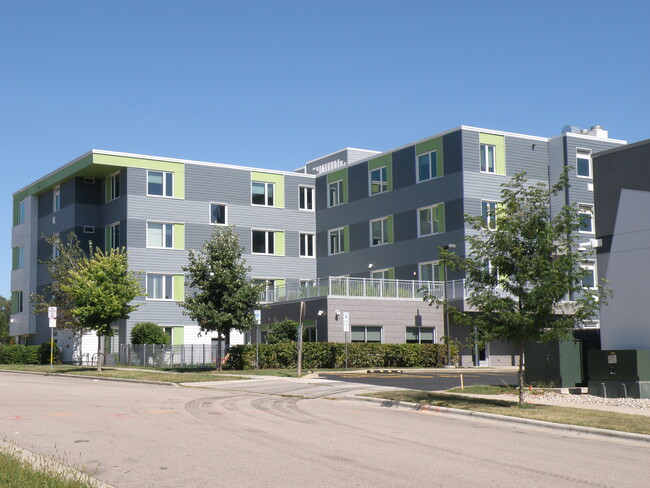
x,y
101,287
222,298
523,278
148,333
5,313
285,331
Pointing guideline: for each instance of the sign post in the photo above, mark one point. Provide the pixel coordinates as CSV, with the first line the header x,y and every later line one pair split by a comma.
x,y
258,321
51,315
346,329
301,320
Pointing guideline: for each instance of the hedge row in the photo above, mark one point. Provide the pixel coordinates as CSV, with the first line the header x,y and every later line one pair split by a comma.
x,y
332,355
19,354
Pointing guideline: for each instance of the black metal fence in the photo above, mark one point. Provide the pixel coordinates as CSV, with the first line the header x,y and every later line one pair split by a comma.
x,y
186,355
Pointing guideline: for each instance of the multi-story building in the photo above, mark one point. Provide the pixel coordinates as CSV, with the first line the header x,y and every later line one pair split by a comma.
x,y
354,234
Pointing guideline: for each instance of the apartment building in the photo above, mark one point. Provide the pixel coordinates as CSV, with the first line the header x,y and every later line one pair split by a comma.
x,y
354,234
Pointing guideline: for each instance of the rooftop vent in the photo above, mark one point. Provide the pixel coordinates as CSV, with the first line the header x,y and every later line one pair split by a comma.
x,y
594,131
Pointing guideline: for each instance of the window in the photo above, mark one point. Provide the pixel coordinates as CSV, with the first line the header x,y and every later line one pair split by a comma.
x,y
337,241
420,335
160,287
89,229
306,197
263,242
489,212
379,180
586,216
18,257
56,199
307,245
589,280
432,271
366,334
379,233
21,212
488,158
160,183
160,235
336,193
262,193
56,250
113,236
382,274
431,220
583,163
427,166
112,186
16,302
218,214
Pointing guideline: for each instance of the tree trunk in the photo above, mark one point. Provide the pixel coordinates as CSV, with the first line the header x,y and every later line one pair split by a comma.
x,y
521,374
219,352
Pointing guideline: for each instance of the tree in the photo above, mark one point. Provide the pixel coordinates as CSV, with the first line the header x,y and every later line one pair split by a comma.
x,y
222,298
523,277
148,333
285,331
5,313
100,288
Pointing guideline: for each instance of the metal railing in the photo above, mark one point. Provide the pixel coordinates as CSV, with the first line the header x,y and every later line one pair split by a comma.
x,y
186,355
345,286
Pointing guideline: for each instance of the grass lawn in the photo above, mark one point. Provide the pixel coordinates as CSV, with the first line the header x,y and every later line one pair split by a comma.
x,y
17,473
638,424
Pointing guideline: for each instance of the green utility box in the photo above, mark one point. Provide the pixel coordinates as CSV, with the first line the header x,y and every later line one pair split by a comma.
x,y
619,373
556,363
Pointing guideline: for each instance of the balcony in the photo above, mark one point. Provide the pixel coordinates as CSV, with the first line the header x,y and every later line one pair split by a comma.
x,y
344,286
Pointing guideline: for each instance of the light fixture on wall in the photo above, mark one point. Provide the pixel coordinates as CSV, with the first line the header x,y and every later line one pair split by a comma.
x,y
321,313
337,312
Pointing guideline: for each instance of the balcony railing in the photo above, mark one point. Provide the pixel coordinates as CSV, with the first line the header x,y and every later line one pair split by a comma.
x,y
362,288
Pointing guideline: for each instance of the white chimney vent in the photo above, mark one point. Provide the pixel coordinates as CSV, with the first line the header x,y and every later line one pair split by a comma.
x,y
598,131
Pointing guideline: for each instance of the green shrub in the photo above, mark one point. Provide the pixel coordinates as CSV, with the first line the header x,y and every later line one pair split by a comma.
x,y
12,354
332,355
20,354
44,354
148,333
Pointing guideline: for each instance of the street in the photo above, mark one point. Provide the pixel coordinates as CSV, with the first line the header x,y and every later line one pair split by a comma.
x,y
270,433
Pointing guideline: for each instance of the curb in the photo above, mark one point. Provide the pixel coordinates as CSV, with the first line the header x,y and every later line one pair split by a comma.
x,y
98,378
385,371
418,407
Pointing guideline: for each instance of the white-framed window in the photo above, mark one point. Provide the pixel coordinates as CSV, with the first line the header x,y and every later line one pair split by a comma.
x,y
489,213
113,186
366,333
586,216
56,199
307,245
160,287
337,240
113,236
306,197
16,302
379,231
218,213
262,193
583,163
18,256
378,180
381,274
263,241
590,279
335,193
21,212
427,166
420,335
431,271
56,250
488,158
160,235
429,220
89,229
160,183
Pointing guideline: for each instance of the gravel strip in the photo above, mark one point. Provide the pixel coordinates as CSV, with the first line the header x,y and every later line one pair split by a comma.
x,y
595,400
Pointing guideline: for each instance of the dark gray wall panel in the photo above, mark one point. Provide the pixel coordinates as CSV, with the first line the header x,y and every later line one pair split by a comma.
x,y
89,193
359,236
358,182
404,167
452,147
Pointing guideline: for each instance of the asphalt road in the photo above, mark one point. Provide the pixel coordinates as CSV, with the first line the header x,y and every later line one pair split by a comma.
x,y
428,380
239,435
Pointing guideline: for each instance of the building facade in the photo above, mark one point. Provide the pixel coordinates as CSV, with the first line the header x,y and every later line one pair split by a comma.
x,y
354,234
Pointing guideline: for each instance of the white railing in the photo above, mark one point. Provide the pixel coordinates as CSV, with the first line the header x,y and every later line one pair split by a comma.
x,y
344,286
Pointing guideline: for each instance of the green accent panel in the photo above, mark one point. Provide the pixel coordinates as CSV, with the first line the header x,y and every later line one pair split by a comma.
x,y
309,323
179,236
280,282
279,243
16,212
440,209
391,231
433,145
179,288
178,336
107,238
342,175
500,143
14,258
386,160
346,239
127,162
277,180
391,273
15,299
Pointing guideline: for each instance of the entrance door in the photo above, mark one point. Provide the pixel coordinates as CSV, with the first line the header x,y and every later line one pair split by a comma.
x,y
484,355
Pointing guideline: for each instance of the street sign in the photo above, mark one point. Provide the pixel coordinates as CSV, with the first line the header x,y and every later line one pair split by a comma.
x,y
258,316
346,321
51,312
52,323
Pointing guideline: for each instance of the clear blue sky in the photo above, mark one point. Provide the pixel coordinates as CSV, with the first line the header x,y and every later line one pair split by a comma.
x,y
276,83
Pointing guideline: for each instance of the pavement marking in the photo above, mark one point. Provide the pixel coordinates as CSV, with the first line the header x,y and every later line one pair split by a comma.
x,y
17,417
